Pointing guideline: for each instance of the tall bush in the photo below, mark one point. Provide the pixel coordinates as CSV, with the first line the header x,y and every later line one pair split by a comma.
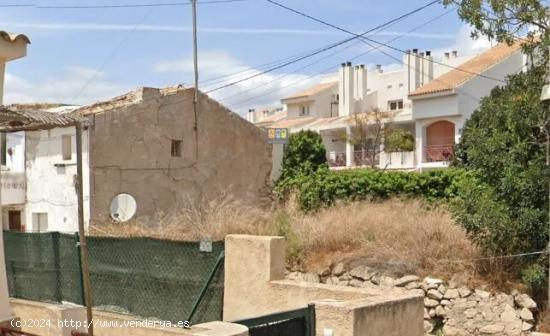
x,y
304,154
505,208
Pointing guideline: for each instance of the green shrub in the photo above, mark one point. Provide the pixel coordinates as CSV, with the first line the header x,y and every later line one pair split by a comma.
x,y
505,208
283,228
325,187
535,277
304,154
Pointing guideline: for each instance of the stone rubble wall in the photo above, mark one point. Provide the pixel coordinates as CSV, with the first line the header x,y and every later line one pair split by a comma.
x,y
454,309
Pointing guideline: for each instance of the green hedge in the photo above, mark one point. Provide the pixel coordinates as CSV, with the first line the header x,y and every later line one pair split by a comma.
x,y
325,187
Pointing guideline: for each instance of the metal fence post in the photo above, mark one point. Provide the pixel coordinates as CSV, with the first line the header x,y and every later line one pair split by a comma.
x,y
206,285
80,274
311,320
56,248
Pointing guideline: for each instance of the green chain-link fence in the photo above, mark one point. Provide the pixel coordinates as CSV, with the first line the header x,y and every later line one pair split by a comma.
x,y
146,277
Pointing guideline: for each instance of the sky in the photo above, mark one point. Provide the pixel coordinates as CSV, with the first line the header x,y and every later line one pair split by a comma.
x,y
80,56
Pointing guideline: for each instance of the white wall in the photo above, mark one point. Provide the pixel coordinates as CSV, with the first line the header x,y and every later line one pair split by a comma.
x,y
51,188
319,104
436,107
13,173
479,87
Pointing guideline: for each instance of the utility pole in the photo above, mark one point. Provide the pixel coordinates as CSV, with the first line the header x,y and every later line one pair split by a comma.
x,y
196,70
85,264
545,98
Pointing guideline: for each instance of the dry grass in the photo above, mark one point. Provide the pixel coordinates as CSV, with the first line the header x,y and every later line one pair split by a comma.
x,y
394,231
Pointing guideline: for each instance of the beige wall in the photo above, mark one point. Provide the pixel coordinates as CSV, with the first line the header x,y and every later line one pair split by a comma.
x,y
255,286
131,153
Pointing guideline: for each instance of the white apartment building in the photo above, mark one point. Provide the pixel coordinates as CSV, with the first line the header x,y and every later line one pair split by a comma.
x,y
429,97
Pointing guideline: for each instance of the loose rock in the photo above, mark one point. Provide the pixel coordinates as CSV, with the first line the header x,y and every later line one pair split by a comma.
x,y
405,280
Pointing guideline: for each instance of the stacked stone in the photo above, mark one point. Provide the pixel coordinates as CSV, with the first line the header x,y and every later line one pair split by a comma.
x,y
457,310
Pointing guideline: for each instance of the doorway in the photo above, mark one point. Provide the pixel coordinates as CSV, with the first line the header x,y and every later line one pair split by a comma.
x,y
14,220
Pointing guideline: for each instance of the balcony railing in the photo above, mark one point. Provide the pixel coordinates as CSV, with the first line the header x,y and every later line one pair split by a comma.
x,y
439,153
337,159
360,158
365,158
13,188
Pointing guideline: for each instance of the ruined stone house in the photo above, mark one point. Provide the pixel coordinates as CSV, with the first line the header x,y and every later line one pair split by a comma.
x,y
143,144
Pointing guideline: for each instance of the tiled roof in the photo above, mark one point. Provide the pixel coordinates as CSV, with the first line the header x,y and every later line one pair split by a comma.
x,y
10,37
28,120
132,97
468,70
292,123
312,90
275,116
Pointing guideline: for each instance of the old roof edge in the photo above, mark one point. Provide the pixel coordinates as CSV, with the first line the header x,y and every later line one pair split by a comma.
x,y
14,37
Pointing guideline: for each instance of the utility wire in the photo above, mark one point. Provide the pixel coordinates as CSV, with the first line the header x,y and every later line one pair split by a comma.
x,y
315,62
259,68
362,37
326,48
17,5
162,4
332,67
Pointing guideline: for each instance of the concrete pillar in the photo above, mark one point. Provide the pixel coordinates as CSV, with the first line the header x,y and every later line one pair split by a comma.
x,y
251,262
349,150
5,311
2,76
420,132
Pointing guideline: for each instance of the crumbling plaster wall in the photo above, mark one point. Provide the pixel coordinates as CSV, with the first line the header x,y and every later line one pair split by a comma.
x,y
131,153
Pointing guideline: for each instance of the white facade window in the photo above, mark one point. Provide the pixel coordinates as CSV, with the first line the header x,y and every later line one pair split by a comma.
x,y
4,149
176,148
40,221
395,105
66,147
304,110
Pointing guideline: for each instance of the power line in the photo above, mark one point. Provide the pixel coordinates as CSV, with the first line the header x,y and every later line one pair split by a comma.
x,y
317,61
324,71
162,4
259,68
326,48
362,37
17,5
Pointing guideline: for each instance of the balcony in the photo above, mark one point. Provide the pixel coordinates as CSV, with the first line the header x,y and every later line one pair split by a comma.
x,y
397,160
365,159
360,159
438,153
14,188
336,159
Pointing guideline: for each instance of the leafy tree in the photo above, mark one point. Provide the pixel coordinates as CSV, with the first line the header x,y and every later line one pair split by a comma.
x,y
399,140
506,20
367,133
503,143
304,154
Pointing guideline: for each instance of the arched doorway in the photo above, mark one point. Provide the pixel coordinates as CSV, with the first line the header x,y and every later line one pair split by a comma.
x,y
440,140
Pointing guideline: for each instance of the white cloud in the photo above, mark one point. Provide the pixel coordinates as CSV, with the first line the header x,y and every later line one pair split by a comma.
x,y
92,26
218,68
464,43
74,85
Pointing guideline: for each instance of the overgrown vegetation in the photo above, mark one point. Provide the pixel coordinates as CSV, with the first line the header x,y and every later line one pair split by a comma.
x,y
505,206
407,233
325,187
